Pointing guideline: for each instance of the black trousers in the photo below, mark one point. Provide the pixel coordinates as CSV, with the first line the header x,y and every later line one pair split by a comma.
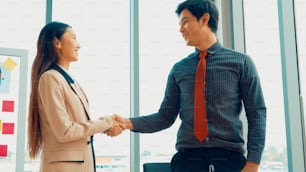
x,y
207,160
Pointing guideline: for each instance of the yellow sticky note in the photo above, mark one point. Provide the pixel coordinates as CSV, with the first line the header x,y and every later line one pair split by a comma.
x,y
9,64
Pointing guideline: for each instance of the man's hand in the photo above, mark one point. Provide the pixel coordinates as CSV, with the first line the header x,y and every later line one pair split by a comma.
x,y
250,167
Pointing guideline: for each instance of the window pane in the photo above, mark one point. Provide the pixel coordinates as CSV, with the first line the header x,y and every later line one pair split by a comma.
x,y
161,45
300,14
103,69
20,25
262,44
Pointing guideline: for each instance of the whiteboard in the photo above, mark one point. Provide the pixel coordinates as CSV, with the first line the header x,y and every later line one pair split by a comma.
x,y
13,85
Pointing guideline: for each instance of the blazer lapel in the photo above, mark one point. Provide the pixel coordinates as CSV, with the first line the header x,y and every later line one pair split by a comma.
x,y
75,87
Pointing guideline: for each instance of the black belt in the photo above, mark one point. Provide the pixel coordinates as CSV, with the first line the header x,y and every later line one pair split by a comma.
x,y
208,151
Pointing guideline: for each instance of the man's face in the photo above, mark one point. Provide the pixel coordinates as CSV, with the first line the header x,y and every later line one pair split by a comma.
x,y
195,32
189,27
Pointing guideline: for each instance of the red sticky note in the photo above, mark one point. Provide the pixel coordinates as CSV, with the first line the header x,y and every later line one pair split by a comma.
x,y
7,106
3,150
7,128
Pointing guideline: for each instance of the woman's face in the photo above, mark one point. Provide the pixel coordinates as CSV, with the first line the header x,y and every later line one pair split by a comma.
x,y
67,47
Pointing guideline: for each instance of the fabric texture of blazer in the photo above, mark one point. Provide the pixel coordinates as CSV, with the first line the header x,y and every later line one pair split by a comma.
x,y
66,125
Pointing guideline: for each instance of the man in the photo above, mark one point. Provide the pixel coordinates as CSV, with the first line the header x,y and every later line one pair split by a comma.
x,y
231,82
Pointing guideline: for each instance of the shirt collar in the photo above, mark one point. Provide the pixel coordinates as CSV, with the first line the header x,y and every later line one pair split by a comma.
x,y
65,70
211,50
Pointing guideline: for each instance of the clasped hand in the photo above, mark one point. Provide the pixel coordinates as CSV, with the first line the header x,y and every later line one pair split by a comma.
x,y
118,127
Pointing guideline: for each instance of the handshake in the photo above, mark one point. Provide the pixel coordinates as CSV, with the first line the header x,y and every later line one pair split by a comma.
x,y
120,124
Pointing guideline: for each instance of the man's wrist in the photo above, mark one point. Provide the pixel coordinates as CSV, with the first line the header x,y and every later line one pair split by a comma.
x,y
128,124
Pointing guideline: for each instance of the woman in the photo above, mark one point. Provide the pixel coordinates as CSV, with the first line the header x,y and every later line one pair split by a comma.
x,y
59,124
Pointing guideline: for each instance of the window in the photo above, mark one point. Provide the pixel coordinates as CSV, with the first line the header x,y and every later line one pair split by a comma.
x,y
300,13
262,44
160,46
103,68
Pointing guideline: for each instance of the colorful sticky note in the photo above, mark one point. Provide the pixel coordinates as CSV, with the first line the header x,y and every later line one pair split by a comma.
x,y
7,106
3,150
8,128
9,64
0,126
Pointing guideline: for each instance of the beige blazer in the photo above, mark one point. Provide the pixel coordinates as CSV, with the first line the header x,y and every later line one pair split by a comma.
x,y
66,126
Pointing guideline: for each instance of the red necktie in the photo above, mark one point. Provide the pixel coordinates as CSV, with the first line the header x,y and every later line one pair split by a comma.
x,y
200,121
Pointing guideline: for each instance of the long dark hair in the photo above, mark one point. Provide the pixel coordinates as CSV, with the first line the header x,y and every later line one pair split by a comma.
x,y
46,56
